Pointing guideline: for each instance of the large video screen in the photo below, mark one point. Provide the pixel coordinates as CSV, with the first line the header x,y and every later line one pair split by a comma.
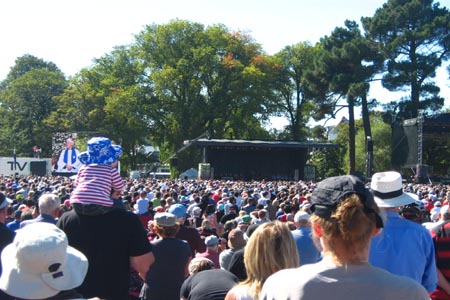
x,y
66,146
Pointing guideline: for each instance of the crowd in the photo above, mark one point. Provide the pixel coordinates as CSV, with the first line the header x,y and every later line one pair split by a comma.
x,y
220,239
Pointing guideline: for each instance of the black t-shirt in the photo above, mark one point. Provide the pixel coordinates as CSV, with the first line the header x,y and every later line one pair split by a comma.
x,y
211,284
167,274
6,238
108,241
237,265
228,217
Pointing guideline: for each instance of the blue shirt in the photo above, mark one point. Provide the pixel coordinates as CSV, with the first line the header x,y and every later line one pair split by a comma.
x,y
405,248
40,218
13,225
306,248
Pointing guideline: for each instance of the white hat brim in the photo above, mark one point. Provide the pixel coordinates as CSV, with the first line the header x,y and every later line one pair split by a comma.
x,y
403,199
6,203
20,284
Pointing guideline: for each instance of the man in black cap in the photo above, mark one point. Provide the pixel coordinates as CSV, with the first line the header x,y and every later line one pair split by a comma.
x,y
345,218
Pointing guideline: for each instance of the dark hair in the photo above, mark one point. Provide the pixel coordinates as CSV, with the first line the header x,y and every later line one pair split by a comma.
x,y
287,208
211,208
410,212
166,231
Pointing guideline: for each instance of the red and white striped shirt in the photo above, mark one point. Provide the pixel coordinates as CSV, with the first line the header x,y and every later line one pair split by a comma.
x,y
93,185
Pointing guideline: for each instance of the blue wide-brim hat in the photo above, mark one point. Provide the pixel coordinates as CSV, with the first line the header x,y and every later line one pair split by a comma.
x,y
100,152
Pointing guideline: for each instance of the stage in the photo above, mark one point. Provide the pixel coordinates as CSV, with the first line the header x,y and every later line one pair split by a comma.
x,y
257,160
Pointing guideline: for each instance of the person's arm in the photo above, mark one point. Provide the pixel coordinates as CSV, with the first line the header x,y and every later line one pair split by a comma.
x,y
186,268
142,263
60,163
117,181
200,246
230,295
185,288
430,275
443,282
77,164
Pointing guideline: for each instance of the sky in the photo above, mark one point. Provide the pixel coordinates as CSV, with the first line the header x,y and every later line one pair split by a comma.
x,y
72,33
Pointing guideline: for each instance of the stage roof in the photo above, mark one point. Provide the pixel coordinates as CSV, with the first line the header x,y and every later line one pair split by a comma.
x,y
262,144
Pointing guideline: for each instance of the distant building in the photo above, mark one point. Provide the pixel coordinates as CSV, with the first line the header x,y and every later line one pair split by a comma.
x,y
332,131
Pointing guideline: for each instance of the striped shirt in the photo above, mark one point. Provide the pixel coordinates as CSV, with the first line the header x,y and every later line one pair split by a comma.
x,y
94,183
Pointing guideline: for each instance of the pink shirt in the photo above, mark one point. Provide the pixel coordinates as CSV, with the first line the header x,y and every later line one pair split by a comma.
x,y
212,255
94,183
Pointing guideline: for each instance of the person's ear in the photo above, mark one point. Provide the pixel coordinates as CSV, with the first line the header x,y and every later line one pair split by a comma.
x,y
317,230
376,231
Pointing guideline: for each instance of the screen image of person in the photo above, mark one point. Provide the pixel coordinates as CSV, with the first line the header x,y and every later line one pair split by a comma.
x,y
68,159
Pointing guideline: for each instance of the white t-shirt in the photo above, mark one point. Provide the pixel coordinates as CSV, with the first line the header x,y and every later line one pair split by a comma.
x,y
324,280
241,292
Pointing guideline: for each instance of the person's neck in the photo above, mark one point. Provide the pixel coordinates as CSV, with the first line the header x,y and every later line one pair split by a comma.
x,y
355,257
390,209
345,261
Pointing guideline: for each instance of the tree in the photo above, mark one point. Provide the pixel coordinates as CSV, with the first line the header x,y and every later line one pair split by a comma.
x,y
414,37
110,98
27,98
81,106
330,161
381,136
25,64
347,64
291,87
204,79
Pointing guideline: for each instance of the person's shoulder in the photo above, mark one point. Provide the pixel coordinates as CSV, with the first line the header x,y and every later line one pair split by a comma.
x,y
227,252
6,233
32,221
184,243
412,225
284,277
401,285
213,273
68,214
123,214
239,252
424,231
189,230
430,225
176,241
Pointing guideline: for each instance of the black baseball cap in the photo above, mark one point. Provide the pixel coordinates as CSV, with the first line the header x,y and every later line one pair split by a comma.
x,y
329,193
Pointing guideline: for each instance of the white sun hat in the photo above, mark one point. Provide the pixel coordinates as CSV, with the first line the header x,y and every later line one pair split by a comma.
x,y
387,189
39,263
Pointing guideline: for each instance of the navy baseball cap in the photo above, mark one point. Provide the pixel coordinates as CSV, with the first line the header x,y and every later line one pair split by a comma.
x,y
329,193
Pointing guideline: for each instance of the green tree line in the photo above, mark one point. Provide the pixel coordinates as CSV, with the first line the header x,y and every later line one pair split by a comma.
x,y
178,80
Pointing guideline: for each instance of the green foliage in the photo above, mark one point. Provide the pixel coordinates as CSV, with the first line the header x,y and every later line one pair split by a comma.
x,y
25,64
319,133
381,137
346,64
27,97
204,79
293,95
331,161
109,98
328,162
413,35
436,155
178,80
